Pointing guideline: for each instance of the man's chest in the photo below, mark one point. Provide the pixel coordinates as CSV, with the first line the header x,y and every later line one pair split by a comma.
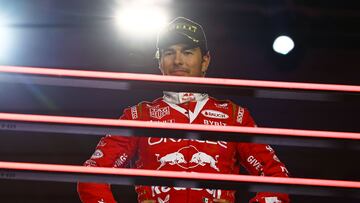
x,y
206,113
185,154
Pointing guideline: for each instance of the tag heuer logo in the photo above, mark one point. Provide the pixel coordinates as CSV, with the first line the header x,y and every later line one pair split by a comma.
x,y
159,113
214,114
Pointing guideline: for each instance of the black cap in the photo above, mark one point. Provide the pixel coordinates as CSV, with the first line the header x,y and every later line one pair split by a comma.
x,y
182,30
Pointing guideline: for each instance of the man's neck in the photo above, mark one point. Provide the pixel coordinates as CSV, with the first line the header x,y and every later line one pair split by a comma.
x,y
183,97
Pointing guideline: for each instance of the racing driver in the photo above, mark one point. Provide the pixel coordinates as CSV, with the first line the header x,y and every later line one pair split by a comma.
x,y
182,51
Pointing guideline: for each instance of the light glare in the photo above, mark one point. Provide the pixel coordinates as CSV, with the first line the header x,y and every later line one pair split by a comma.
x,y
4,38
283,44
141,20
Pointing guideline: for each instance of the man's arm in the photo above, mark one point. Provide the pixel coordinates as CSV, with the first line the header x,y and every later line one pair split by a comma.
x,y
111,151
260,159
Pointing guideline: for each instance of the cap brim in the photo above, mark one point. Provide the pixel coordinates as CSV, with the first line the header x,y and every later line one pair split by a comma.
x,y
175,38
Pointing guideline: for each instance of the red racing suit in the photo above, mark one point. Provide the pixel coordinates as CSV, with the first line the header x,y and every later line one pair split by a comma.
x,y
184,154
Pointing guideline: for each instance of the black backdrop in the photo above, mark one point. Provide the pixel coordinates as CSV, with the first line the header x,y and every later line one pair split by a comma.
x,y
81,35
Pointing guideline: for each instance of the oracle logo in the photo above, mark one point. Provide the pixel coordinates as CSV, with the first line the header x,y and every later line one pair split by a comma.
x,y
214,114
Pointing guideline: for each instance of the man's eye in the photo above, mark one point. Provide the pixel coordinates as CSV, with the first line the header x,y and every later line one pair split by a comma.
x,y
188,52
167,53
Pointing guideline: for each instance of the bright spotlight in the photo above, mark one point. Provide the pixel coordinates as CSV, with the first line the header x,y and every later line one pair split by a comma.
x,y
283,45
2,21
5,39
141,19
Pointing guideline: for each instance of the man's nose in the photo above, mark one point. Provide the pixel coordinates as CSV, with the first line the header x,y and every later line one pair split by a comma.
x,y
178,59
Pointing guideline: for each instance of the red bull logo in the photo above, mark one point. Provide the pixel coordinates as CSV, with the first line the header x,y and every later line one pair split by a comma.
x,y
202,159
172,159
185,97
197,159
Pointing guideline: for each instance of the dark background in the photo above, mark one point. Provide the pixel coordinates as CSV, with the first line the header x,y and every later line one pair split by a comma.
x,y
80,34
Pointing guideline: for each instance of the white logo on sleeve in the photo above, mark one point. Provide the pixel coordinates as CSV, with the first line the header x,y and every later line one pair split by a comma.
x,y
214,114
97,154
272,200
270,149
276,158
254,162
90,162
284,170
121,160
240,115
134,114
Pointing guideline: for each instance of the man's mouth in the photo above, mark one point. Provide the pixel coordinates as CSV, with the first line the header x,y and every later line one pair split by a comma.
x,y
179,71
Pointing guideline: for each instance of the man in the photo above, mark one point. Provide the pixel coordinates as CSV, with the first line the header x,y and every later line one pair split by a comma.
x,y
182,51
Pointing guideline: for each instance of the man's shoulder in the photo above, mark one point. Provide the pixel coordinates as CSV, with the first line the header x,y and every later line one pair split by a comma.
x,y
241,114
224,103
228,104
136,111
147,104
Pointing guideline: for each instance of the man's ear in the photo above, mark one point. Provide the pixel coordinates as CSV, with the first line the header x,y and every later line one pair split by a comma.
x,y
205,62
160,66
158,57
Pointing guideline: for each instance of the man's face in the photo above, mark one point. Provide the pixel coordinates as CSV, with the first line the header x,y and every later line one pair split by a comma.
x,y
183,60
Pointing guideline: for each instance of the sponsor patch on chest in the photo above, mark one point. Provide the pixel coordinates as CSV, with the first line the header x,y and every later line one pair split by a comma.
x,y
217,123
222,106
214,114
159,113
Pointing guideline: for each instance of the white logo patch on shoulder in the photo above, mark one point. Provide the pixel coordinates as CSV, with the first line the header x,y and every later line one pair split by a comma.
x,y
134,114
214,114
159,113
240,115
272,200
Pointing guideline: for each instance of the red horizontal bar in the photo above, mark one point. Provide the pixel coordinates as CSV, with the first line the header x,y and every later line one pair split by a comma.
x,y
176,79
176,126
180,175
